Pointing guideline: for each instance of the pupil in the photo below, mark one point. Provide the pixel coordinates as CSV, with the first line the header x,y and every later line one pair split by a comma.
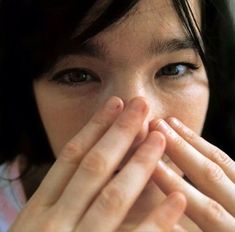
x,y
173,70
77,77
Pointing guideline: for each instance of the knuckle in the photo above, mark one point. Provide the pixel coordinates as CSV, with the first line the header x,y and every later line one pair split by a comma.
x,y
94,163
144,157
99,121
149,226
112,200
179,141
212,172
124,125
216,154
70,153
190,135
214,212
219,156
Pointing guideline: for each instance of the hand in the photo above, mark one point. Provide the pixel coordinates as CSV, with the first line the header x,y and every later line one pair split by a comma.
x,y
81,192
211,203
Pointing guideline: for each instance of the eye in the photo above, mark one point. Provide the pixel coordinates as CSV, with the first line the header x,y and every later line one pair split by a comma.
x,y
74,77
176,70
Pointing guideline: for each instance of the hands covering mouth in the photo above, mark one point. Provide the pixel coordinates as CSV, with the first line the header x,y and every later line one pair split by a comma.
x,y
78,194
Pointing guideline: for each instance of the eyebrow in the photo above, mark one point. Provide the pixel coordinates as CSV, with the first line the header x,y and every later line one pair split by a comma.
x,y
97,49
158,47
91,48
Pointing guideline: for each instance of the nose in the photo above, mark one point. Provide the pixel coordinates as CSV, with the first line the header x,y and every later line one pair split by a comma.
x,y
136,87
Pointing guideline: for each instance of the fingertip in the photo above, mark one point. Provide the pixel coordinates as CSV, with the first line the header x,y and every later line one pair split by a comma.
x,y
115,102
139,101
153,124
160,137
177,200
178,228
173,120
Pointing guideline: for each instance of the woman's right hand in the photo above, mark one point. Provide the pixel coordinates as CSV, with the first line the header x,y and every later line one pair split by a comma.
x,y
81,192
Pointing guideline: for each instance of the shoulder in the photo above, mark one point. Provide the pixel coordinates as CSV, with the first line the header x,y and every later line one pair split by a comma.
x,y
12,196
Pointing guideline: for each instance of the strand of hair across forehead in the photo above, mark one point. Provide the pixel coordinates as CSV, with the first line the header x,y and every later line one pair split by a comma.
x,y
115,11
188,19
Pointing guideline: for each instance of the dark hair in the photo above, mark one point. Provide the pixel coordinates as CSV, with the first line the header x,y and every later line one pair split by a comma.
x,y
33,34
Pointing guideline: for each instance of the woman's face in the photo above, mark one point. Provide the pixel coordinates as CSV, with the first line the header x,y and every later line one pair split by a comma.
x,y
146,54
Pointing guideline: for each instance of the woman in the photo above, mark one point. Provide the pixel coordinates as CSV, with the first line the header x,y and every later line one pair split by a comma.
x,y
116,85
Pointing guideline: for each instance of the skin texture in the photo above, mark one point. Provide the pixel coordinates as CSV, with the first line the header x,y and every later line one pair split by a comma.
x,y
127,70
94,135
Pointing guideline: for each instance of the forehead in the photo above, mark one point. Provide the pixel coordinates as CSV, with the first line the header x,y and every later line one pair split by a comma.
x,y
154,15
149,20
150,29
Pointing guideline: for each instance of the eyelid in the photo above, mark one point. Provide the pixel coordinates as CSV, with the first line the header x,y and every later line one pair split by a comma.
x,y
190,66
59,74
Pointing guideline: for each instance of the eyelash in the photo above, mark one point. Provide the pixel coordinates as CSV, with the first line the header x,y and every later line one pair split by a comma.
x,y
189,68
60,77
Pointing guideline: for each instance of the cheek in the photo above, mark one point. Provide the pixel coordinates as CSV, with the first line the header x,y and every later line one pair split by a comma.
x,y
194,116
191,107
62,124
62,118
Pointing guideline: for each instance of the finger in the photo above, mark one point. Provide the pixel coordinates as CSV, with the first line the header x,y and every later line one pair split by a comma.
x,y
204,147
205,174
102,160
166,216
69,159
205,212
114,201
178,228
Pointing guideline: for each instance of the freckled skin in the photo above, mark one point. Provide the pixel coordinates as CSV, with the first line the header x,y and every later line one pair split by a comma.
x,y
128,72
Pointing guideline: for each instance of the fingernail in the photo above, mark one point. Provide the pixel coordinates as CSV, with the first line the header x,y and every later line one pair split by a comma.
x,y
175,121
180,126
161,124
163,166
138,105
155,138
177,200
165,128
113,104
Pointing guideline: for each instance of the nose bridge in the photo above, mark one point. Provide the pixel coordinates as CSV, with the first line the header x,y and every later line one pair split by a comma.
x,y
128,86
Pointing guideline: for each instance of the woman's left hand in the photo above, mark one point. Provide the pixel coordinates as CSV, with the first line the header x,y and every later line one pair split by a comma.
x,y
211,203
